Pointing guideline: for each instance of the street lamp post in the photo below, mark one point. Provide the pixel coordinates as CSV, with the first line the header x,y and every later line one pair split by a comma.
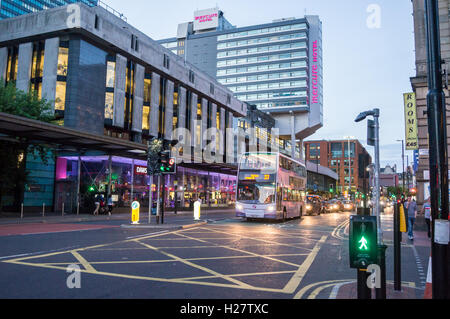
x,y
403,163
375,113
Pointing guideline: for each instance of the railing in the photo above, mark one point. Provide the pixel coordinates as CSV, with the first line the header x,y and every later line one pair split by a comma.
x,y
112,10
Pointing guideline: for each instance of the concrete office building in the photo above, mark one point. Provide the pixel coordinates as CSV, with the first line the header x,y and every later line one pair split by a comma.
x,y
13,8
107,78
276,66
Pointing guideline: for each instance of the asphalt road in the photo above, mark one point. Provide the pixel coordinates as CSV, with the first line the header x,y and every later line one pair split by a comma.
x,y
226,258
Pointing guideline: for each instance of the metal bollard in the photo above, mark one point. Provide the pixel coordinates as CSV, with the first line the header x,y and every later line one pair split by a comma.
x,y
21,211
62,212
43,209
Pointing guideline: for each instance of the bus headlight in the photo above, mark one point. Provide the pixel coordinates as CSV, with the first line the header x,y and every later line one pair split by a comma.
x,y
270,208
239,207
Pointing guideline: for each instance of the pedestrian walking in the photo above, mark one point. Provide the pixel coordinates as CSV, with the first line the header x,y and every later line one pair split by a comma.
x,y
110,205
426,211
411,208
97,204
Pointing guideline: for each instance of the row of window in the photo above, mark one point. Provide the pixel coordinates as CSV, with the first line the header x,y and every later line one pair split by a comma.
x,y
261,31
280,104
266,86
262,67
37,66
271,95
263,58
262,77
284,37
286,46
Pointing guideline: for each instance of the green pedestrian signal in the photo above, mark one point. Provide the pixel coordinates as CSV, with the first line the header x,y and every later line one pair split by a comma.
x,y
363,241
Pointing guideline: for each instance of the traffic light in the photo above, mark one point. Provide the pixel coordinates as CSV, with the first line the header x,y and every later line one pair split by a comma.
x,y
91,188
363,241
158,157
166,163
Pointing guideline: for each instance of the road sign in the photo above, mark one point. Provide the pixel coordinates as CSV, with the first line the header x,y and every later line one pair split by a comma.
x,y
363,241
135,207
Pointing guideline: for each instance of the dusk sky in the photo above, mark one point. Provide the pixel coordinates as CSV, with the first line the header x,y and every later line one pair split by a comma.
x,y
366,65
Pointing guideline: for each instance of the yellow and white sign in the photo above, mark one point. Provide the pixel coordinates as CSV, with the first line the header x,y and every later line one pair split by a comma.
x,y
135,207
197,207
411,137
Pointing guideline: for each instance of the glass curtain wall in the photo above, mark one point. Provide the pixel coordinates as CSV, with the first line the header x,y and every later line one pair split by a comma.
x,y
129,182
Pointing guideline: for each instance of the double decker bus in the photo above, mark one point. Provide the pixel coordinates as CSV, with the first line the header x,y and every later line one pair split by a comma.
x,y
271,186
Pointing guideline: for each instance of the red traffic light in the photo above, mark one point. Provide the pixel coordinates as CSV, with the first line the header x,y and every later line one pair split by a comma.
x,y
171,161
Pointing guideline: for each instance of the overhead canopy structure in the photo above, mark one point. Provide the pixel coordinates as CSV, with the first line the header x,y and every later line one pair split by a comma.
x,y
70,140
64,138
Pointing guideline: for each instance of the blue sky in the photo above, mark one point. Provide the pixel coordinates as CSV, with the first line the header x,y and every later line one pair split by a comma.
x,y
364,67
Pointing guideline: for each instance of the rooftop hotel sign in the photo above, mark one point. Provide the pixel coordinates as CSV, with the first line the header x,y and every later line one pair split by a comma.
x,y
206,19
411,137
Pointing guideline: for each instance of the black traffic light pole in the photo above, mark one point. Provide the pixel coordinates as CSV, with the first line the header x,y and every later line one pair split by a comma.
x,y
438,157
397,248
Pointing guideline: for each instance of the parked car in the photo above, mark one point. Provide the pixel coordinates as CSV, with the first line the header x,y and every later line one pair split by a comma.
x,y
313,205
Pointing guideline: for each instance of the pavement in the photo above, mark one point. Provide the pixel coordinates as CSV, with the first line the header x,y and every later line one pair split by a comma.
x,y
181,220
408,290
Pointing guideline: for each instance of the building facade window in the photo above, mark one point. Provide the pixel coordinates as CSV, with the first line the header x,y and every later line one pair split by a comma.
x,y
146,103
37,68
61,78
109,95
175,108
12,63
336,150
162,107
129,95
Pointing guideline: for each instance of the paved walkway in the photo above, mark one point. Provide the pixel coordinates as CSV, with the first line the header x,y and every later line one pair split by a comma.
x,y
181,218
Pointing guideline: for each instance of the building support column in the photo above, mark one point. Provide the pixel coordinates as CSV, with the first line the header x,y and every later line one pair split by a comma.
x,y
78,184
293,139
49,74
119,91
181,107
138,102
3,64
154,104
24,66
168,115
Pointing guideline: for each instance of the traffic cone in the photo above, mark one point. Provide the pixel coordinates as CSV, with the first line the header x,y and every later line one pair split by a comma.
x,y
428,286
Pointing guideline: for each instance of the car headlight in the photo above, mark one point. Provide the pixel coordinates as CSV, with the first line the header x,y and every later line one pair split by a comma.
x,y
335,206
308,207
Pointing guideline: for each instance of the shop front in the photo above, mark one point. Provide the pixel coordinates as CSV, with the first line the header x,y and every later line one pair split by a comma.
x,y
126,180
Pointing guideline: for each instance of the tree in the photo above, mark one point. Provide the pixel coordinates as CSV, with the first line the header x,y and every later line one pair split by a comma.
x,y
14,149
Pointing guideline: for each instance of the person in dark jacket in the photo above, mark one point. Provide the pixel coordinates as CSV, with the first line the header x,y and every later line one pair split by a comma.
x,y
411,208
